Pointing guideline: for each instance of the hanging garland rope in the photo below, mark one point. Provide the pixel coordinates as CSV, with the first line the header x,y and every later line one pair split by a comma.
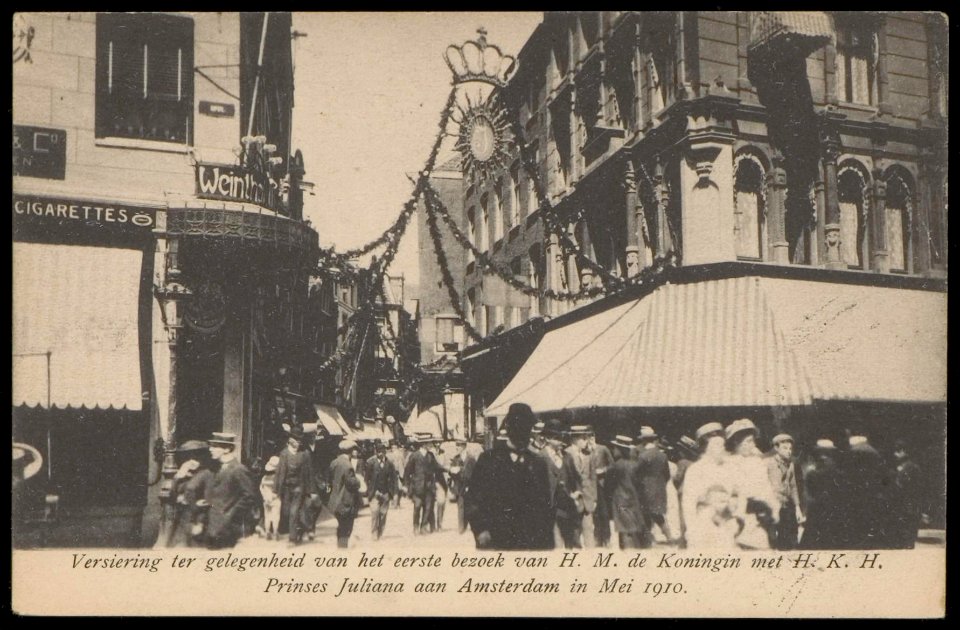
x,y
492,267
547,210
447,277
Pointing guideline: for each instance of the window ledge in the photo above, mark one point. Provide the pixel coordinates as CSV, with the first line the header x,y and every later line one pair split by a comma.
x,y
146,145
858,107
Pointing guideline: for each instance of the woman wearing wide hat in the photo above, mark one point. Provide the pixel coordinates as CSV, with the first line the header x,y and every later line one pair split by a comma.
x,y
757,502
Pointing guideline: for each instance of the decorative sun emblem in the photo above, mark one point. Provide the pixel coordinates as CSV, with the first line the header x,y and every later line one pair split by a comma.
x,y
483,129
484,140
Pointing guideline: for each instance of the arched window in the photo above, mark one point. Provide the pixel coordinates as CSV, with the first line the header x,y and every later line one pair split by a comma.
x,y
748,209
899,210
853,225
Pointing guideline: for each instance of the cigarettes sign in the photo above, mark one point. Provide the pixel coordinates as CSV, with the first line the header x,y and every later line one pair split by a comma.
x,y
58,219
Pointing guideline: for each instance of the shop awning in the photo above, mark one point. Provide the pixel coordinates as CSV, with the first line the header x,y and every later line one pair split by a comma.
x,y
807,29
330,419
742,342
80,304
427,421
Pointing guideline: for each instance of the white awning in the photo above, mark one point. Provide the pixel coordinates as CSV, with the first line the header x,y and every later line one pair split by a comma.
x,y
80,304
330,419
742,342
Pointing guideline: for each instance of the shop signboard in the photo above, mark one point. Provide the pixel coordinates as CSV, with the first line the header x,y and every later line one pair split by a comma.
x,y
66,220
39,152
235,183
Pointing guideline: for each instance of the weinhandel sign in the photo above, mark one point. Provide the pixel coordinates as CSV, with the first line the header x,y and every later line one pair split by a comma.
x,y
235,183
64,220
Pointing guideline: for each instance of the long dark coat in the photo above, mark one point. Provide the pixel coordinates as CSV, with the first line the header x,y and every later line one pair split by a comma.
x,y
381,478
621,487
344,488
421,474
653,472
510,500
232,495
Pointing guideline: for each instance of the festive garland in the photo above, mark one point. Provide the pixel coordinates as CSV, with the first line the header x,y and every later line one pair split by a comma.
x,y
492,267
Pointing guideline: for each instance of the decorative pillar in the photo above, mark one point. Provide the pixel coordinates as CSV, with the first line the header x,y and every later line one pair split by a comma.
x,y
630,199
817,253
831,229
554,261
880,257
883,81
169,292
706,180
776,211
586,272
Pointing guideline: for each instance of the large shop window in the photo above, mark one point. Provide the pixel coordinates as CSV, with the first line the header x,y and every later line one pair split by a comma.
x,y
856,63
80,304
145,77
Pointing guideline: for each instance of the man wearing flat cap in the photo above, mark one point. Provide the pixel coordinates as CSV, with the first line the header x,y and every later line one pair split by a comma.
x,y
231,495
508,497
784,478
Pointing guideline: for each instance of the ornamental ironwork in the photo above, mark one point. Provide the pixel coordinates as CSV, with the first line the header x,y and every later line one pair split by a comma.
x,y
255,228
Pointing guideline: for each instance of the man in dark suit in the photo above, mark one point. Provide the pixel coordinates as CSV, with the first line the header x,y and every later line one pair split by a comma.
x,y
565,496
381,487
864,482
344,500
653,472
231,494
461,470
621,487
295,483
508,503
601,458
420,479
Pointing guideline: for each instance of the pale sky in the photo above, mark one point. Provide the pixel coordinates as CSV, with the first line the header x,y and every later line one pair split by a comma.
x,y
370,88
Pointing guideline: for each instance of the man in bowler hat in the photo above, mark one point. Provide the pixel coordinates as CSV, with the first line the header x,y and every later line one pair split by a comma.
x,y
508,497
231,494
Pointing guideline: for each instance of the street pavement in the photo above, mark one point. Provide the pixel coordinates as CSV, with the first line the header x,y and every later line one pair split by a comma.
x,y
397,533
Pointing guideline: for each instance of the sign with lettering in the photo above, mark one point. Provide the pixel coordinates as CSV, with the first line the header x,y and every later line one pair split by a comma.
x,y
218,110
39,152
235,183
56,219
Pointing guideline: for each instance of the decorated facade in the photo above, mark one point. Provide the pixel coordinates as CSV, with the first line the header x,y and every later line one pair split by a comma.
x,y
158,217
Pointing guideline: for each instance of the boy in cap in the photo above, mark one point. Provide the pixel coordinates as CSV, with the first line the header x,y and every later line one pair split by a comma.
x,y
508,504
783,474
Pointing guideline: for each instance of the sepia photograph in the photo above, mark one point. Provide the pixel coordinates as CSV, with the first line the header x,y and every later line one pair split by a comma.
x,y
524,308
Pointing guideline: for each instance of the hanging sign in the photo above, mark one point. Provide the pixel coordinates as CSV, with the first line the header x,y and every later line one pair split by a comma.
x,y
39,152
236,183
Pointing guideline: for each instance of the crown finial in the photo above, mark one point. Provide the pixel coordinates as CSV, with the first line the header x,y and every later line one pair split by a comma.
x,y
477,60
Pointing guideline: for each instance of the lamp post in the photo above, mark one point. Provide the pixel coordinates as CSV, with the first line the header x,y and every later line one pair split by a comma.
x,y
169,294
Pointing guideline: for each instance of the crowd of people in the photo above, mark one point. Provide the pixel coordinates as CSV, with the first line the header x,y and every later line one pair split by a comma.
x,y
218,500
550,486
546,485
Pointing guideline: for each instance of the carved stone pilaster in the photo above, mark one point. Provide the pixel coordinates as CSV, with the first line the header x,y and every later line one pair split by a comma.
x,y
776,211
630,210
830,146
880,258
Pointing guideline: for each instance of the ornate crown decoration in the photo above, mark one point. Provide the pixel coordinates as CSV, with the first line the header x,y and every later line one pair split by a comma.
x,y
480,61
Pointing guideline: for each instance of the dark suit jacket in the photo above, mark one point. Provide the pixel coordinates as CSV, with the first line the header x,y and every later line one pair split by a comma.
x,y
621,486
231,495
295,470
653,471
562,482
510,500
421,474
344,488
381,478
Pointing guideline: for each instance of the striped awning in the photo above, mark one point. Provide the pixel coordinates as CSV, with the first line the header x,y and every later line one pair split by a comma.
x,y
81,304
808,29
742,342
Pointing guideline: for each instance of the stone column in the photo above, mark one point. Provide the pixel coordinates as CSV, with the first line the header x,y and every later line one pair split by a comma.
x,y
831,229
586,272
706,180
554,259
664,243
776,211
630,201
880,257
233,380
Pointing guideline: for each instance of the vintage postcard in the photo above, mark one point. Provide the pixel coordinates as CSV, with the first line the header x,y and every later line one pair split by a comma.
x,y
562,314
